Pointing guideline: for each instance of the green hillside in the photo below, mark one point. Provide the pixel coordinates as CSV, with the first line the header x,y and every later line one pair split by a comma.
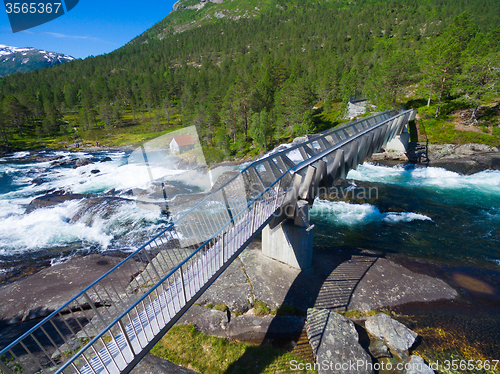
x,y
250,74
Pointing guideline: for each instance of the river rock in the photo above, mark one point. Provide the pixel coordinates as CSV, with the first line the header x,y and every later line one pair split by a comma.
x,y
82,162
71,161
106,159
378,349
396,335
38,181
95,208
51,200
44,158
95,171
251,328
155,365
334,340
468,164
416,365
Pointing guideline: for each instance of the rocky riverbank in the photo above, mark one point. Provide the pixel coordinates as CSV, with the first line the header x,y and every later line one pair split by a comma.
x,y
254,300
460,158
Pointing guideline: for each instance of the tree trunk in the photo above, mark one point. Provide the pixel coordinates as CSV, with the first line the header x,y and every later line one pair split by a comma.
x,y
473,117
246,126
440,95
429,101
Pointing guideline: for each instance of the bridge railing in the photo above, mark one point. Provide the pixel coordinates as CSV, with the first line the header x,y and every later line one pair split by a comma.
x,y
111,324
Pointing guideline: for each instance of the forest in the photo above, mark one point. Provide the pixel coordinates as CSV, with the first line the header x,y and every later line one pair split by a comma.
x,y
251,83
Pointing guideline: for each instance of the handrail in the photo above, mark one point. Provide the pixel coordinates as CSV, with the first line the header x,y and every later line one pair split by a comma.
x,y
297,168
209,235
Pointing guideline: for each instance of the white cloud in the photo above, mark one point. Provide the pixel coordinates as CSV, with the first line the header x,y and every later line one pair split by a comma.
x,y
59,35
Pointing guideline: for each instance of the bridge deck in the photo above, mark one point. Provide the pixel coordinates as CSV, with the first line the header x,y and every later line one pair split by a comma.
x,y
112,324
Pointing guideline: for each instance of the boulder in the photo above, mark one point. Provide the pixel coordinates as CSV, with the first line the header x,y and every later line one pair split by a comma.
x,y
95,171
51,200
82,162
155,365
396,335
251,328
106,159
335,342
378,349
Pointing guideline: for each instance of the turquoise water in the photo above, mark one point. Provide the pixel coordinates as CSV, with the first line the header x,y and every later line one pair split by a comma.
x,y
421,212
426,213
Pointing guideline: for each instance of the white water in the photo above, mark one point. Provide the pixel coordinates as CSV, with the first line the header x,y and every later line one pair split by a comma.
x,y
487,181
45,228
124,227
127,226
342,213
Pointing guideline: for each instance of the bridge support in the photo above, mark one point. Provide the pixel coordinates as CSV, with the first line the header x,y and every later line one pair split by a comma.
x,y
291,241
401,141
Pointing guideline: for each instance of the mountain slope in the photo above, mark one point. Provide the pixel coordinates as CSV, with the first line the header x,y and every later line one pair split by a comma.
x,y
429,14
21,60
275,72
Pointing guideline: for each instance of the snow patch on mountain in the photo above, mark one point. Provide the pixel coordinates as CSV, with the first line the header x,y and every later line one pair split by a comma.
x,y
14,59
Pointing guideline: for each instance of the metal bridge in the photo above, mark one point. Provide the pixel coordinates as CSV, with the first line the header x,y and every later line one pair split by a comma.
x,y
113,323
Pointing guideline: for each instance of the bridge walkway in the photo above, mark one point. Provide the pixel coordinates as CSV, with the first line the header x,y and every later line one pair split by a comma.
x,y
112,324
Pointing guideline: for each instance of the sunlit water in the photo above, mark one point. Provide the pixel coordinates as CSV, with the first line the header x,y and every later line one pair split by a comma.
x,y
52,233
422,212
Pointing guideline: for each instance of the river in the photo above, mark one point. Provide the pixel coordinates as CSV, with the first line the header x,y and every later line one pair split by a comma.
x,y
433,220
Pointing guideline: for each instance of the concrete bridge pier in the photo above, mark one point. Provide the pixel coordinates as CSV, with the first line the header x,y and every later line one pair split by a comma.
x,y
291,241
401,141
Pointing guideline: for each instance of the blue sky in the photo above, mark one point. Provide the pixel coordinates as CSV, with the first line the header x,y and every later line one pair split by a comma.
x,y
91,28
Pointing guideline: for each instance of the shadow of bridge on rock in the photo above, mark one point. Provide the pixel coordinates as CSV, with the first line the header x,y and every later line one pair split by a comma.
x,y
330,284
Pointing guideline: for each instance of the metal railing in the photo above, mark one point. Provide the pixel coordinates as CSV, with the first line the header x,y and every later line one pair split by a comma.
x,y
110,325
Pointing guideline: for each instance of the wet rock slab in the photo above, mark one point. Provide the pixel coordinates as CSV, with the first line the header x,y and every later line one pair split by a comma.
x,y
388,284
416,365
42,293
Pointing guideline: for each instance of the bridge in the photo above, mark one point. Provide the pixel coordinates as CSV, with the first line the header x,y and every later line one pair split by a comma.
x,y
113,323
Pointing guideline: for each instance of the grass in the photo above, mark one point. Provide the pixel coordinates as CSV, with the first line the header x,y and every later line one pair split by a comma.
x,y
442,130
358,314
186,346
127,131
221,307
261,309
